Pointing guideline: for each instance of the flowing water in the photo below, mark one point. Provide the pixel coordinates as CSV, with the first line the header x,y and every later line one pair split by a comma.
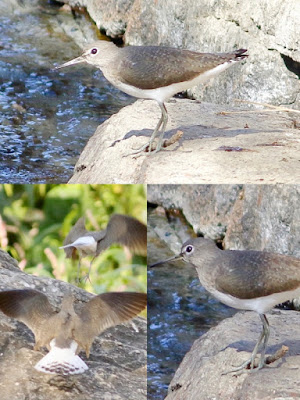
x,y
46,116
179,310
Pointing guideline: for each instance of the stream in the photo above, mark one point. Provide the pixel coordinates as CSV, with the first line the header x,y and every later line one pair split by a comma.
x,y
46,116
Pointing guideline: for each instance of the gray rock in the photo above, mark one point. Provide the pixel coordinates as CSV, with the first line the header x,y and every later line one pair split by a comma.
x,y
257,217
7,262
117,364
270,30
266,217
109,16
199,376
215,147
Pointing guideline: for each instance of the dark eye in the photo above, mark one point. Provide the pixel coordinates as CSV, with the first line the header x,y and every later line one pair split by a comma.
x,y
189,248
94,51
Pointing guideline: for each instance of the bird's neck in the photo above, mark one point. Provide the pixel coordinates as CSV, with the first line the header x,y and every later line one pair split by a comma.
x,y
67,305
207,266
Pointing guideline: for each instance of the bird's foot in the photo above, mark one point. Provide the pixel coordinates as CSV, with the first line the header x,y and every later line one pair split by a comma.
x,y
248,365
84,279
156,147
143,151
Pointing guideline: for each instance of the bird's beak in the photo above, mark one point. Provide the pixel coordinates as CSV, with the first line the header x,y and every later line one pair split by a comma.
x,y
174,258
76,60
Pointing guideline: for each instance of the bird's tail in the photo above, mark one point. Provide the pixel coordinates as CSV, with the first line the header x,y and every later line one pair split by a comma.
x,y
62,361
67,245
240,54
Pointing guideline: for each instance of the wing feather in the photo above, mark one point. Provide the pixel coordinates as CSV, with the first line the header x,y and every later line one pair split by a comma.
x,y
28,306
110,309
124,230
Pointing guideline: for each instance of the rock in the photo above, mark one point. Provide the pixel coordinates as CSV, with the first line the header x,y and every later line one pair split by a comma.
x,y
216,147
110,17
266,217
252,217
7,262
199,376
116,362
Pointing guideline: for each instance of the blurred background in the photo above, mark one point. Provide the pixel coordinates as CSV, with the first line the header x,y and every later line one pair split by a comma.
x,y
35,219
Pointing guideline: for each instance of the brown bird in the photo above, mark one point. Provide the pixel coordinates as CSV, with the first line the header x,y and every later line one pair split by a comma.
x,y
244,279
121,229
66,332
155,72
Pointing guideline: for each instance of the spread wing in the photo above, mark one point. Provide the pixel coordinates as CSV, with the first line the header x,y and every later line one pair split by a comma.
x,y
124,230
77,231
110,309
28,306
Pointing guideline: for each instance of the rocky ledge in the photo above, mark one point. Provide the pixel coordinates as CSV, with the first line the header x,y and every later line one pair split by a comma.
x,y
220,144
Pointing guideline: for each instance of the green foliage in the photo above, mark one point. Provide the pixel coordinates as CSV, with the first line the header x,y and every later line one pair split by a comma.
x,y
35,219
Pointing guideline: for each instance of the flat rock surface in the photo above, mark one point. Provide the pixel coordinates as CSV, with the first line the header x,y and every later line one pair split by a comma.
x,y
220,144
117,363
229,344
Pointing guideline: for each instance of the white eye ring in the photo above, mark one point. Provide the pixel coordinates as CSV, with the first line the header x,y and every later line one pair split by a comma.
x,y
189,249
94,51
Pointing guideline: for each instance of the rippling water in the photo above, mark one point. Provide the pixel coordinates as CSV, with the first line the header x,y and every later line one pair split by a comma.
x,y
46,117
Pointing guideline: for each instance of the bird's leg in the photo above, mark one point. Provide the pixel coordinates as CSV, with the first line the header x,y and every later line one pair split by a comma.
x,y
162,121
266,330
250,362
164,117
78,270
87,276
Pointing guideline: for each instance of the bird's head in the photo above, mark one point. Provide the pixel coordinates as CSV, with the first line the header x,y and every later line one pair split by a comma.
x,y
95,54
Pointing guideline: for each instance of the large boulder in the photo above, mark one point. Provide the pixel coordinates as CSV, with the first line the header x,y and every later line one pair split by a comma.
x,y
117,363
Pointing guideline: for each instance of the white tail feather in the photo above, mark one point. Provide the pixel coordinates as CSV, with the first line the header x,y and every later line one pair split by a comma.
x,y
84,241
67,245
61,361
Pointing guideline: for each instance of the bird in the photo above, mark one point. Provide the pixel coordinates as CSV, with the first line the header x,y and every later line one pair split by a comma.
x,y
154,72
121,229
245,280
66,332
